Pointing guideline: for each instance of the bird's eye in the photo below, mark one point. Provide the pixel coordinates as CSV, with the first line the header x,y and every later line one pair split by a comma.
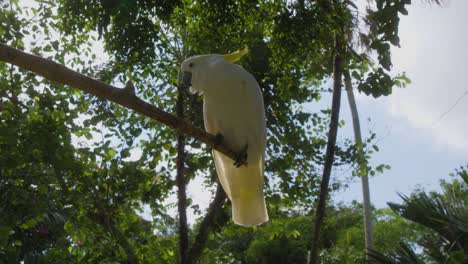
x,y
190,65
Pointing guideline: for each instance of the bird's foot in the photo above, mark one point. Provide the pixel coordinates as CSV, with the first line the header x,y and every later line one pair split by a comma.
x,y
241,157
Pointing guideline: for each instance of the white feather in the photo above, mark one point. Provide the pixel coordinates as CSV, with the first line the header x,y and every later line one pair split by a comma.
x,y
233,107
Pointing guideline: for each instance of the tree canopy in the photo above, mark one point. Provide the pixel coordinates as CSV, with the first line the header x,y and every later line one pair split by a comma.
x,y
77,171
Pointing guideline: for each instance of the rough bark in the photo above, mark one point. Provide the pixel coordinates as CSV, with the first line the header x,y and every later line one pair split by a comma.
x,y
367,211
330,151
61,74
180,180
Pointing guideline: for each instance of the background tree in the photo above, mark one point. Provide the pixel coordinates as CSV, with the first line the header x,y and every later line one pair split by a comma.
x,y
444,217
102,224
87,166
381,31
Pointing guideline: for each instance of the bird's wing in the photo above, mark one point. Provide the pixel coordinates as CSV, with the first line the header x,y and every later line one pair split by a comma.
x,y
220,164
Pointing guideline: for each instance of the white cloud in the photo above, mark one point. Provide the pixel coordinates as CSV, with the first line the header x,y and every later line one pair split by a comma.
x,y
434,55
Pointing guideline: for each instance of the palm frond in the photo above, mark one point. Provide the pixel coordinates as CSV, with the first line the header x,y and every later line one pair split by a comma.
x,y
445,216
403,255
437,2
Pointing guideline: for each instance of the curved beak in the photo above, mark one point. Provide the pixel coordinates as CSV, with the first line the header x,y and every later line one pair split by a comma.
x,y
185,79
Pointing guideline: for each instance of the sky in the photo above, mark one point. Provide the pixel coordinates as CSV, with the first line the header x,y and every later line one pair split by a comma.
x,y
423,136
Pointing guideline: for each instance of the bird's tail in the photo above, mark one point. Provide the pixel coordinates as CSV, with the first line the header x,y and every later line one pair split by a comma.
x,y
244,187
249,208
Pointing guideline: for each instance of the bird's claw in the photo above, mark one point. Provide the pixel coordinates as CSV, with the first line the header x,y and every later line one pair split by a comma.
x,y
241,157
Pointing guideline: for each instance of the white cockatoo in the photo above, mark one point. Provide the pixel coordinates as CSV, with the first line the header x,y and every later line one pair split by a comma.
x,y
233,108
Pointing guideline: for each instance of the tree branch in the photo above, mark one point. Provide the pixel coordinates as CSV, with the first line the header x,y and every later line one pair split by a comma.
x,y
206,225
61,74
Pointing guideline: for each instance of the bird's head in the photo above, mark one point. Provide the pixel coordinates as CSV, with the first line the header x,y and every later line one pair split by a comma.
x,y
193,65
195,62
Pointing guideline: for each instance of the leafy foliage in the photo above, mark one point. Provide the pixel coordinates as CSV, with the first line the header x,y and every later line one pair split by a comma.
x,y
286,238
76,172
404,254
444,216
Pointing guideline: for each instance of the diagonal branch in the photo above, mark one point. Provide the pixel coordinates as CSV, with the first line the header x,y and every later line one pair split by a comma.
x,y
207,225
61,74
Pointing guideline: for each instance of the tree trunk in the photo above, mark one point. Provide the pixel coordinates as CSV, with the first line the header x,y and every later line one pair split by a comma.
x,y
369,239
180,181
330,152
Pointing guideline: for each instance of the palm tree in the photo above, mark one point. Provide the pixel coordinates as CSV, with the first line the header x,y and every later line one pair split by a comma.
x,y
444,215
367,207
403,255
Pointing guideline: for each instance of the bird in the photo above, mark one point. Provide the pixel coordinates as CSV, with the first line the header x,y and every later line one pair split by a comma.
x,y
233,108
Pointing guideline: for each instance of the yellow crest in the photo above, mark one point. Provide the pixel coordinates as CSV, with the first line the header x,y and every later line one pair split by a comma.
x,y
235,56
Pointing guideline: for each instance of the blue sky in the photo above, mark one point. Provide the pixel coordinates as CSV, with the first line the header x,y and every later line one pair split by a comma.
x,y
420,147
